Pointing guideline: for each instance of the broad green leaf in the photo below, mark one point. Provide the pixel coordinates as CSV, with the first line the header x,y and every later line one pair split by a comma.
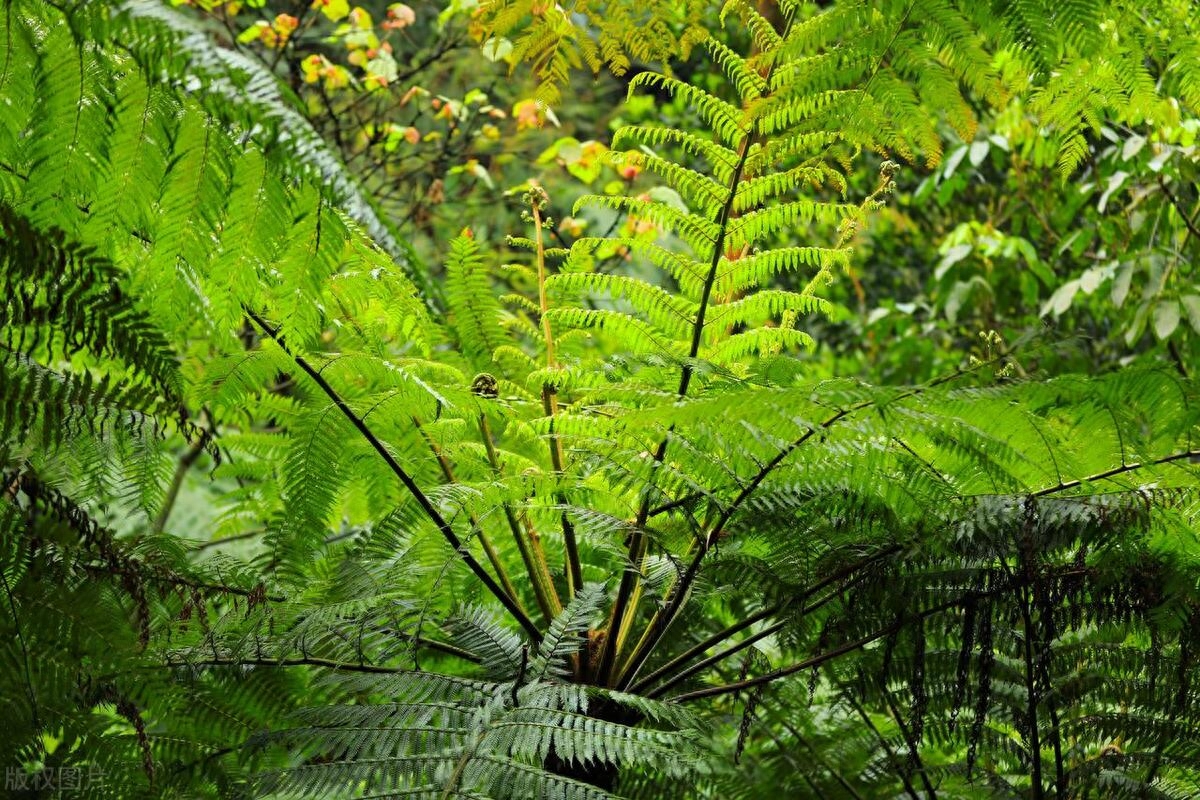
x,y
1166,318
1060,301
1122,282
979,151
1191,304
954,255
497,48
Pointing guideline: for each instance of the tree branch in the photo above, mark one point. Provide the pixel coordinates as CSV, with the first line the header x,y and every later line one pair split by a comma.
x,y
1192,228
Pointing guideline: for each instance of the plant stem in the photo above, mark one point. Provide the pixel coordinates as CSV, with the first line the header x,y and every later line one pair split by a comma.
x,y
906,733
665,616
702,647
771,611
34,716
1188,221
629,591
829,655
1031,694
797,768
237,537
1191,455
423,501
574,570
716,658
488,548
824,762
874,729
307,661
186,462
528,543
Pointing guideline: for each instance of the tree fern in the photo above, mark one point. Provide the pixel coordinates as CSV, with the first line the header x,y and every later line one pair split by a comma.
x,y
454,738
882,73
592,537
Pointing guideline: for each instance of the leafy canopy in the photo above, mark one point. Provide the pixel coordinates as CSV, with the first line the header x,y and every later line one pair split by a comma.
x,y
603,520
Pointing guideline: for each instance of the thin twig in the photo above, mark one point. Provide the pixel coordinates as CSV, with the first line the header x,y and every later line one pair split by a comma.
x,y
1189,223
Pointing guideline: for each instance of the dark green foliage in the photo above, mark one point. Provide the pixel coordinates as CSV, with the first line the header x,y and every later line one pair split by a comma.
x,y
54,288
271,526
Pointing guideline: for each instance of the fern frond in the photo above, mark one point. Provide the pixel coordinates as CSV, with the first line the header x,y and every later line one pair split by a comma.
x,y
721,160
696,189
476,312
725,120
668,313
566,634
699,233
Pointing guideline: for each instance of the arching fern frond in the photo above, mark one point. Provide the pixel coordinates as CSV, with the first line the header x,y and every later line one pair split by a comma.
x,y
61,297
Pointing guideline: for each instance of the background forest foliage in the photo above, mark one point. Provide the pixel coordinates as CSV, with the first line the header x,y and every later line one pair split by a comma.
x,y
650,400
